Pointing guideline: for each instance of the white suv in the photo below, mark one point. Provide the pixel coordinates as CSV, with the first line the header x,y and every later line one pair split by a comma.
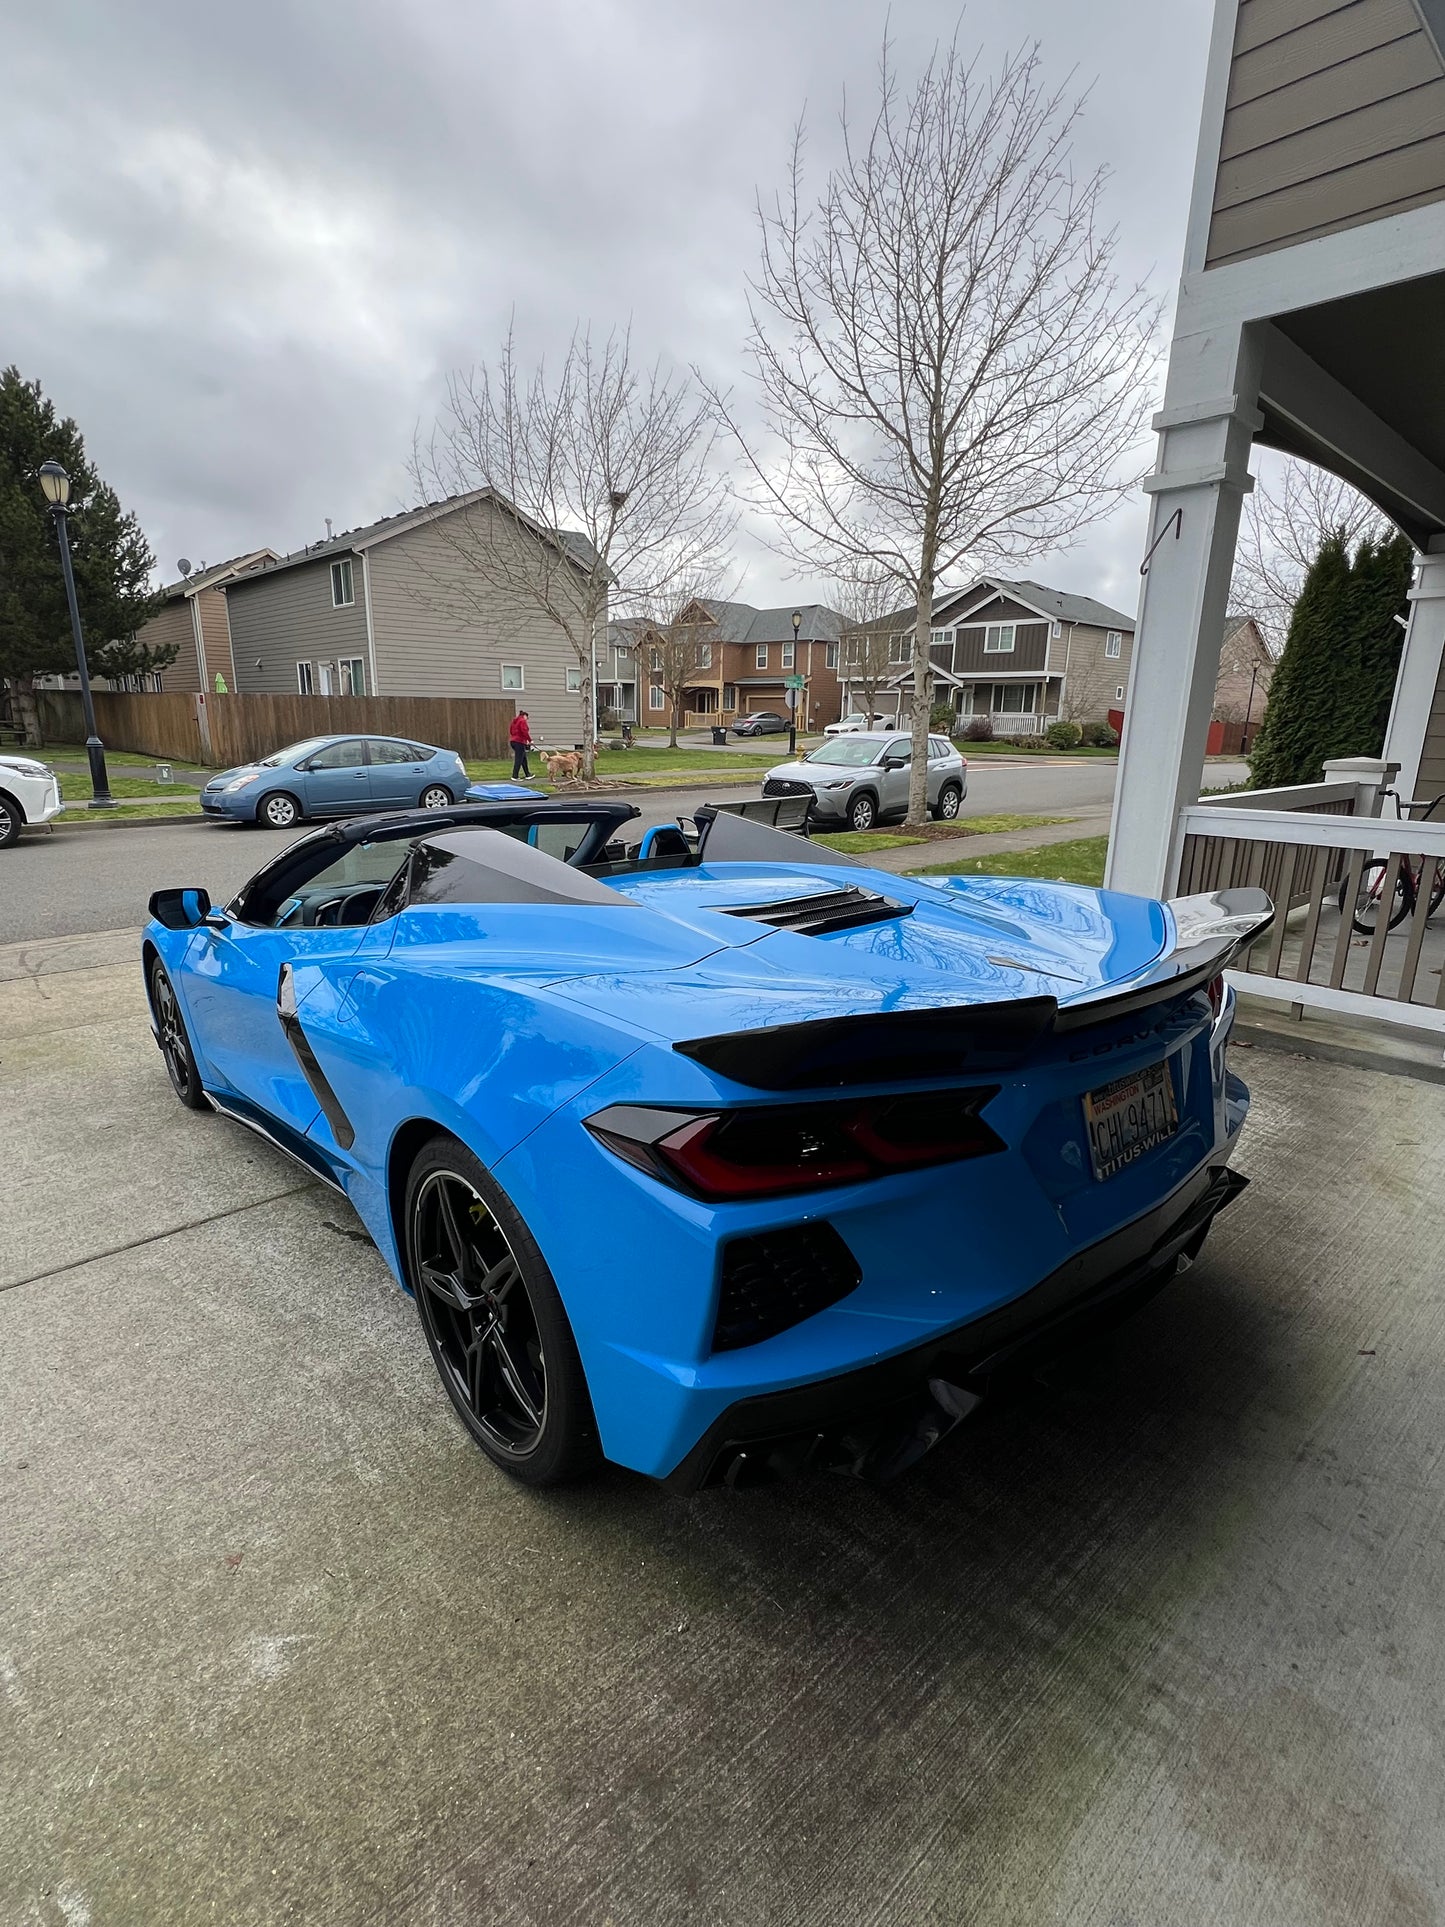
x,y
29,793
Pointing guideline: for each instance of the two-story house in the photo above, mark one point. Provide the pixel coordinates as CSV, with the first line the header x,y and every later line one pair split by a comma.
x,y
1016,652
396,609
745,656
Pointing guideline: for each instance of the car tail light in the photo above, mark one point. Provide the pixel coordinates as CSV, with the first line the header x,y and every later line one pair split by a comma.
x,y
766,1150
1214,990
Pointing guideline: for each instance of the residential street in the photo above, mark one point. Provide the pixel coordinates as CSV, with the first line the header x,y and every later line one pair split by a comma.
x,y
86,879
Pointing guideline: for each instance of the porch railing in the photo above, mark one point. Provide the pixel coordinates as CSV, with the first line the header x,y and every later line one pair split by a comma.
x,y
1314,861
1005,722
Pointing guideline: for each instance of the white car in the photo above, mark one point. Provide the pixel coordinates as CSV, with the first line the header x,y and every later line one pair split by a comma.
x,y
854,724
29,793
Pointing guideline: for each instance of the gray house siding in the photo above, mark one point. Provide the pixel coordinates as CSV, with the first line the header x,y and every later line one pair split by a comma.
x,y
1335,116
1431,780
282,618
424,648
1030,650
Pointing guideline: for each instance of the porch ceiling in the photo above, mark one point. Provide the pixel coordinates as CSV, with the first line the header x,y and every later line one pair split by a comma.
x,y
1358,386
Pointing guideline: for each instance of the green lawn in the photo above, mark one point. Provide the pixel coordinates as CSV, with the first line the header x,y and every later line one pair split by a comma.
x,y
76,789
114,758
1039,748
639,764
862,842
1078,862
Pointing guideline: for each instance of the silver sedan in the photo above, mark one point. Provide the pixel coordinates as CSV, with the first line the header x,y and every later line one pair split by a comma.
x,y
860,780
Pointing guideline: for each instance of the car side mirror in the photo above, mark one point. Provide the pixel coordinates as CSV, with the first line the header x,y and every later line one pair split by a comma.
x,y
180,909
895,762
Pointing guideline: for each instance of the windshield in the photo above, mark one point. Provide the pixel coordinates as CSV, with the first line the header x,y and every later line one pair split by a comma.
x,y
854,751
295,752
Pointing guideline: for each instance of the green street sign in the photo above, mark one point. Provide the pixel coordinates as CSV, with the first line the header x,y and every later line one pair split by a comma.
x,y
795,682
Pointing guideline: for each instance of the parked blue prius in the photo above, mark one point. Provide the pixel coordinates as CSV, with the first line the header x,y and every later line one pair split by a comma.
x,y
337,776
720,1161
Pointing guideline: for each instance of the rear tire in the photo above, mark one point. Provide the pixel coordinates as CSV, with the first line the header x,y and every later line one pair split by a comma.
x,y
436,796
949,799
278,811
12,818
175,1041
494,1322
862,812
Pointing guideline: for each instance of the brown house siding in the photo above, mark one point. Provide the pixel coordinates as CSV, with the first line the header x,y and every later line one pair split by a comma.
x,y
216,637
1335,116
174,624
1030,650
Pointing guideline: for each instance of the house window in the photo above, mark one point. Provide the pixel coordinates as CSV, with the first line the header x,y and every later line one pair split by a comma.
x,y
657,659
655,698
704,655
1119,693
342,591
730,695
761,655
998,639
941,637
1113,644
352,676
831,655
623,656
788,653
574,682
512,676
305,681
1015,698
900,648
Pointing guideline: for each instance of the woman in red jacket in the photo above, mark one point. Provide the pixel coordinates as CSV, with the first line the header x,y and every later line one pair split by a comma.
x,y
521,741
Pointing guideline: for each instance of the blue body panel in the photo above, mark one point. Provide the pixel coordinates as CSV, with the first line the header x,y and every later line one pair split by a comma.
x,y
509,1024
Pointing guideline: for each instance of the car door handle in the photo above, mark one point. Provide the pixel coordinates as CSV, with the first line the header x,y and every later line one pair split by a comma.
x,y
360,775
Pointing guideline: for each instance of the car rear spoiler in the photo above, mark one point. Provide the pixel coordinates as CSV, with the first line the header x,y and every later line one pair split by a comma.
x,y
906,1045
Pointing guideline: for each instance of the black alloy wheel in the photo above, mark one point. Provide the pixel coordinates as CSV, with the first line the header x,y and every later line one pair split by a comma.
x,y
278,810
174,1042
436,796
10,820
494,1322
862,812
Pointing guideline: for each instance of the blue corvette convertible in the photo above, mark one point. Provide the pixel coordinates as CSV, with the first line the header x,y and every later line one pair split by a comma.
x,y
716,1159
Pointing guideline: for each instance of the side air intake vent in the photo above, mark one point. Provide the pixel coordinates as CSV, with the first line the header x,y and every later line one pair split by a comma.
x,y
779,1279
824,912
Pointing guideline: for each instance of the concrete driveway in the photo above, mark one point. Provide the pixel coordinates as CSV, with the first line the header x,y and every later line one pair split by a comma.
x,y
1158,1645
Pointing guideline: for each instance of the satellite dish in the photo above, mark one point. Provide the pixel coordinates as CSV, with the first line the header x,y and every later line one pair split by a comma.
x,y
184,565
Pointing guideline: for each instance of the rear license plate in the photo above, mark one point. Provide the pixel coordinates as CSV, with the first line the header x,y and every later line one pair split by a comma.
x,y
1129,1117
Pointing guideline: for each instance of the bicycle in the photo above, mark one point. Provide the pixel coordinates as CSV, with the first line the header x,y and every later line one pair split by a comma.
x,y
1365,916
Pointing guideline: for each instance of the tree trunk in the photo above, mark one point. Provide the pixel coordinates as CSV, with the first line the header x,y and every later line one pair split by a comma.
x,y
672,719
922,691
589,726
27,711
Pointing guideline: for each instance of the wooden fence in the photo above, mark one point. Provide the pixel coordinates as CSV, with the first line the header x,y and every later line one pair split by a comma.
x,y
222,730
163,726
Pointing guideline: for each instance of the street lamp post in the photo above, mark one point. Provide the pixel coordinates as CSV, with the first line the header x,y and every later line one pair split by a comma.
x,y
56,486
793,693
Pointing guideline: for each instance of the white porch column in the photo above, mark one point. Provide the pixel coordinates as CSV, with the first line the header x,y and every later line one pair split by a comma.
x,y
1419,674
1202,475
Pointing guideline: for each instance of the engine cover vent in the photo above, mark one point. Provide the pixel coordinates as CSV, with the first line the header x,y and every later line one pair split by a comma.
x,y
820,914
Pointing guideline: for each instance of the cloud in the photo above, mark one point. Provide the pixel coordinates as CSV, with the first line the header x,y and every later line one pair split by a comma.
x,y
248,251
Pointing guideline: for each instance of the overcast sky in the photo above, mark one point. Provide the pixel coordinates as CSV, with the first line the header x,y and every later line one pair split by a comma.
x,y
243,247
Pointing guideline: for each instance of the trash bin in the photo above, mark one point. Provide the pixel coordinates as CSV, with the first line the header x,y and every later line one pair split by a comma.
x,y
719,736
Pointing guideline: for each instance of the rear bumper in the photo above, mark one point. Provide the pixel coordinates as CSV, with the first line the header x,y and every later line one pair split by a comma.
x,y
877,1421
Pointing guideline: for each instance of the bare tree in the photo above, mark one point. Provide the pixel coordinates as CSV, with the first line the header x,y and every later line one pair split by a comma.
x,y
681,643
950,367
866,599
601,489
1286,520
